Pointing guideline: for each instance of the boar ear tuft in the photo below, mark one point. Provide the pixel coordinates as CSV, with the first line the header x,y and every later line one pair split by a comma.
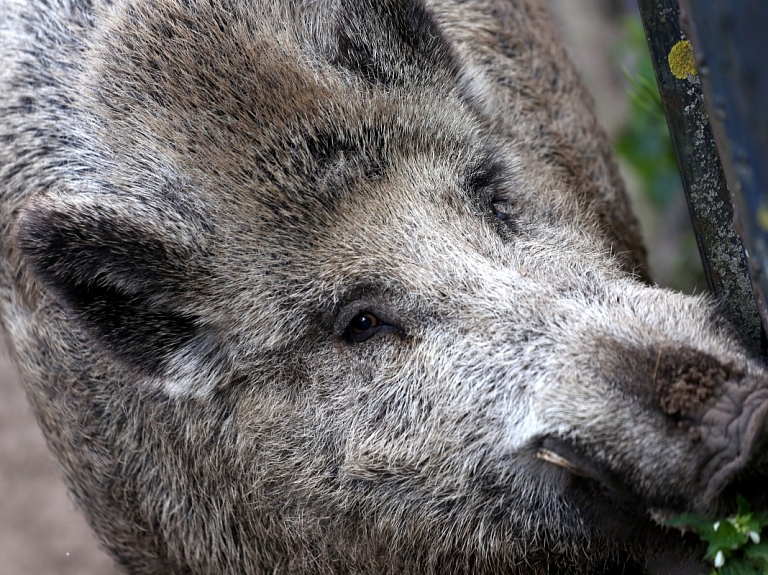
x,y
391,42
117,267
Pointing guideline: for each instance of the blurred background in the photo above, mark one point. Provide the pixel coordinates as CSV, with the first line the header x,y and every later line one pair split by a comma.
x,y
606,40
40,531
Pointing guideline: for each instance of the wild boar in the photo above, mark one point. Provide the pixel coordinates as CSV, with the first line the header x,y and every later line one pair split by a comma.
x,y
349,286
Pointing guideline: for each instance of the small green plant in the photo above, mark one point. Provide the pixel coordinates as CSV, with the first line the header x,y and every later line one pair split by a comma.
x,y
736,545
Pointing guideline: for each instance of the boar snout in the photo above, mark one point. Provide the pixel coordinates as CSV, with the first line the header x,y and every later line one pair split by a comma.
x,y
718,409
734,431
725,411
683,431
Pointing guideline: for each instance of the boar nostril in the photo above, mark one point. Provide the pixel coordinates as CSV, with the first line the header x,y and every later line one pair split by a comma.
x,y
685,379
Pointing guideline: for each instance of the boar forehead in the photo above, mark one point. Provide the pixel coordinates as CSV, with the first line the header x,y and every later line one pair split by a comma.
x,y
285,135
295,141
256,95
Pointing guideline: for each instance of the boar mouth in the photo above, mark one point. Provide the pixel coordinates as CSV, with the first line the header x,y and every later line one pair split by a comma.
x,y
729,439
625,515
565,455
598,485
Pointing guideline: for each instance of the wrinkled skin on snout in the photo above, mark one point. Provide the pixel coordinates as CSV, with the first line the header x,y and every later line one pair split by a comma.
x,y
350,288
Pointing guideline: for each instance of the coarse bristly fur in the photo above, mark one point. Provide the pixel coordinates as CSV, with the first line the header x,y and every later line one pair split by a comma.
x,y
349,286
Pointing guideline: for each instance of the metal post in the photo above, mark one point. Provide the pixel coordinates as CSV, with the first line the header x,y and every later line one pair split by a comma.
x,y
700,170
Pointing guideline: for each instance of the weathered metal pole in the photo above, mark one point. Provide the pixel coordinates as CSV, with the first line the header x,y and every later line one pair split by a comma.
x,y
702,175
730,41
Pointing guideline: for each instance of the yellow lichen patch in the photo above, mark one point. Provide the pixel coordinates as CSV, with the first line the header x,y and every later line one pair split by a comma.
x,y
762,217
681,60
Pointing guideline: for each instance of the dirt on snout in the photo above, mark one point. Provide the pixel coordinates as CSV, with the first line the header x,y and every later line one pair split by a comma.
x,y
685,379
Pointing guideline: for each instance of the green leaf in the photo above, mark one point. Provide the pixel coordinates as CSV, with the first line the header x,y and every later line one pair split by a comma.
x,y
762,518
695,520
744,506
726,536
757,551
737,567
751,524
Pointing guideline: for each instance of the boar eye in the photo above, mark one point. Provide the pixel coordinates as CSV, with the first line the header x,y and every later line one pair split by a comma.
x,y
363,319
501,209
505,214
363,326
363,322
500,214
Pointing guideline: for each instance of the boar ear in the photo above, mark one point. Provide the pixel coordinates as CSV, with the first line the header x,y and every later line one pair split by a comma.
x,y
391,42
122,268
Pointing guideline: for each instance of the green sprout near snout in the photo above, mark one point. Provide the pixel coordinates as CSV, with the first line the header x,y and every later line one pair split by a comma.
x,y
736,545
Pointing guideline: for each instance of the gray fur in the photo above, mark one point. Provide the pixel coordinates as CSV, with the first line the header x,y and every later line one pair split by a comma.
x,y
198,201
